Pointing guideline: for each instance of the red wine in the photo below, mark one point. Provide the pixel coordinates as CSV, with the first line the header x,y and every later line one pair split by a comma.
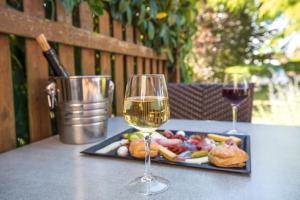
x,y
235,95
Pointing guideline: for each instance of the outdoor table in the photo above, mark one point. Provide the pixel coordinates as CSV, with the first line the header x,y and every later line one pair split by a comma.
x,y
49,169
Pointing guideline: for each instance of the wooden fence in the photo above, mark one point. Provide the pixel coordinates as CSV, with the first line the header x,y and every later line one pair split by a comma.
x,y
120,53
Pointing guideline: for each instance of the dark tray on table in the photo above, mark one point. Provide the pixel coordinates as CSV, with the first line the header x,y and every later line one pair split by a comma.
x,y
245,145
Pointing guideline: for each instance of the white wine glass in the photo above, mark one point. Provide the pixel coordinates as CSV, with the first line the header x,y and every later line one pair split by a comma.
x,y
146,108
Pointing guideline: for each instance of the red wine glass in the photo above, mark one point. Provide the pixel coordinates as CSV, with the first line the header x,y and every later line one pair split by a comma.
x,y
235,90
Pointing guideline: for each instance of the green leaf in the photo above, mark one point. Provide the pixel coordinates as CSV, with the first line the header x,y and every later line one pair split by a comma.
x,y
136,2
170,56
173,33
123,5
166,39
113,12
69,4
129,15
142,14
172,19
148,43
145,25
163,30
151,30
157,43
180,20
153,8
174,42
96,6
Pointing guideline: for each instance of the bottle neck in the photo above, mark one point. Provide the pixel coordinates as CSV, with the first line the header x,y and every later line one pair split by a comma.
x,y
54,63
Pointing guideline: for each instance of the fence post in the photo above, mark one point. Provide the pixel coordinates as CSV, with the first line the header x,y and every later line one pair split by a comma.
x,y
7,128
66,52
105,61
147,66
129,59
37,77
139,60
166,70
160,67
154,66
119,71
7,114
87,55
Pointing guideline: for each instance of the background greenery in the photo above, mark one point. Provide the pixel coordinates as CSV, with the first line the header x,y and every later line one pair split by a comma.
x,y
238,32
167,26
254,35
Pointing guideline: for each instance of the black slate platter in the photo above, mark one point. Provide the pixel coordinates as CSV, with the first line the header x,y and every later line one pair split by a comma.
x,y
245,145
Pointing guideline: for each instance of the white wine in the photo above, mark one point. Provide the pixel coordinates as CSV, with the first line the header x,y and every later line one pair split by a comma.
x,y
147,113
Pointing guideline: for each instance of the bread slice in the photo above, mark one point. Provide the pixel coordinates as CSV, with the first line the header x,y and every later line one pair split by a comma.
x,y
137,148
227,156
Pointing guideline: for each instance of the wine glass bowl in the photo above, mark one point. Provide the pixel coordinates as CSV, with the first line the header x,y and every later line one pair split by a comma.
x,y
235,95
146,108
235,90
146,113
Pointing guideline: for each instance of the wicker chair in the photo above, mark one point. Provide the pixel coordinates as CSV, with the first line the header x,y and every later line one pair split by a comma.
x,y
204,101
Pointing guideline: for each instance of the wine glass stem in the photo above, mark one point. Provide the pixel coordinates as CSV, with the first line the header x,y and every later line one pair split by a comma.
x,y
234,116
147,173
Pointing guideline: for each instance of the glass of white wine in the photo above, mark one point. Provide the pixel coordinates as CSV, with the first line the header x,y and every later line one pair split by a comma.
x,y
146,108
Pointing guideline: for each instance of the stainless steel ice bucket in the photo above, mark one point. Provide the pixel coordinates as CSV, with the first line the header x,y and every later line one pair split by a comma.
x,y
81,106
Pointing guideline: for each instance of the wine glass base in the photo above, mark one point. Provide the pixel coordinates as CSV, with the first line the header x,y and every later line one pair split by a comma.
x,y
234,132
151,186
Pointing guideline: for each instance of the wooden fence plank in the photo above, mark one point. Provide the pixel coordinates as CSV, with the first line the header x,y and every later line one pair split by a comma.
x,y
7,114
119,71
160,67
87,55
139,60
166,71
154,67
66,52
130,66
105,61
105,57
139,65
70,35
129,59
37,77
147,66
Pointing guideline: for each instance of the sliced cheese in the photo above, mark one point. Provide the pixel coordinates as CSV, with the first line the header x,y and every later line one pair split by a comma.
x,y
166,153
197,160
112,146
221,138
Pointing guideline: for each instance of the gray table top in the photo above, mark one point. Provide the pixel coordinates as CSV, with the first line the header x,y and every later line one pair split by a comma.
x,y
51,170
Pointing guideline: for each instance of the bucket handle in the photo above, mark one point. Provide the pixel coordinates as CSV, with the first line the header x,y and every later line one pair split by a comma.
x,y
51,94
111,92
